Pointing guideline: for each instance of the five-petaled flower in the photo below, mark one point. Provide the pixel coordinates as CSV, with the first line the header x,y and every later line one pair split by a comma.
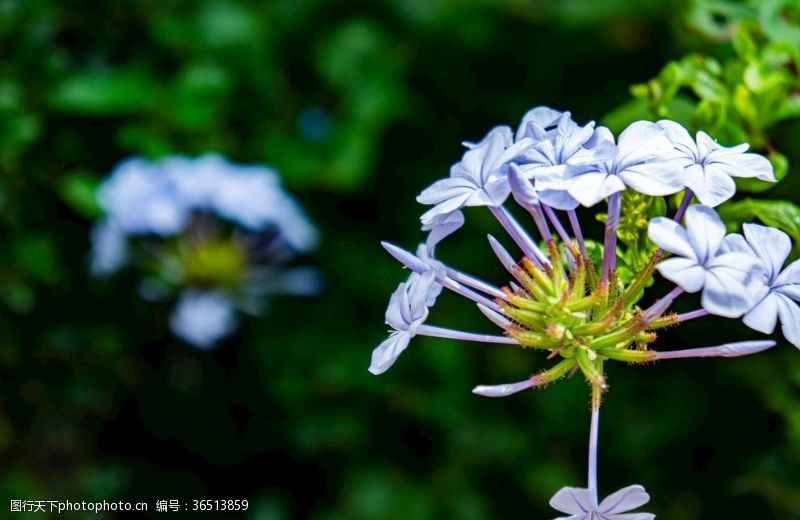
x,y
700,264
777,291
642,159
479,179
581,504
709,167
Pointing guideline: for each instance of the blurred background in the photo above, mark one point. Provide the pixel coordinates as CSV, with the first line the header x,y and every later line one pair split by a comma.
x,y
359,105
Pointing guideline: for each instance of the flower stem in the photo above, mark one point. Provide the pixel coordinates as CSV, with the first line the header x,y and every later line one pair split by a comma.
x,y
576,229
518,234
687,198
441,332
562,233
656,310
610,239
686,316
541,223
593,435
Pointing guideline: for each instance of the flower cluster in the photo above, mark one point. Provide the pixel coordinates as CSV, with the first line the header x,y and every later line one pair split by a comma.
x,y
216,234
572,303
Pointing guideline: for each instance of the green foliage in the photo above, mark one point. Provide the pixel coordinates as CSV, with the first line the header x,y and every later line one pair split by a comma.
x,y
636,210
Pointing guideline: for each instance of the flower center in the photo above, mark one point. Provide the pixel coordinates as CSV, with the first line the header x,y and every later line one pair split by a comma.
x,y
581,319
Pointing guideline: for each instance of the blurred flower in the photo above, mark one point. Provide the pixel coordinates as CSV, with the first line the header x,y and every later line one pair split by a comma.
x,y
709,167
200,228
699,263
109,248
581,504
777,291
202,318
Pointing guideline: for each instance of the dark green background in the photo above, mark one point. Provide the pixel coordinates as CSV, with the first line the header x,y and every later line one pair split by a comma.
x,y
98,401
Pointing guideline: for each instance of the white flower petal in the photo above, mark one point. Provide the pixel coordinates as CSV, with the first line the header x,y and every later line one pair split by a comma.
x,y
573,500
764,315
654,178
202,318
442,226
624,500
772,246
710,184
590,188
643,141
522,188
670,236
744,165
789,313
558,199
631,516
725,293
705,231
788,281
680,137
385,354
685,272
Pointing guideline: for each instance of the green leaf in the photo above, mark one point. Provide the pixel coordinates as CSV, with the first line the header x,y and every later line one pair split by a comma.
x,y
102,93
78,190
780,214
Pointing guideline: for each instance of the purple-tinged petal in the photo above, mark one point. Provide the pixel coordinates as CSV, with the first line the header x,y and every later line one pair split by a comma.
x,y
685,272
654,178
385,354
624,500
670,236
592,187
643,141
789,313
764,315
705,231
573,501
710,184
745,165
771,246
522,188
680,138
725,292
442,226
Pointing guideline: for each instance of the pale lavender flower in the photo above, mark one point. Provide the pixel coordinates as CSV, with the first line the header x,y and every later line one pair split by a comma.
x,y
479,179
777,292
408,309
139,199
442,226
700,265
581,504
538,122
171,214
558,143
641,159
202,318
109,248
709,168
